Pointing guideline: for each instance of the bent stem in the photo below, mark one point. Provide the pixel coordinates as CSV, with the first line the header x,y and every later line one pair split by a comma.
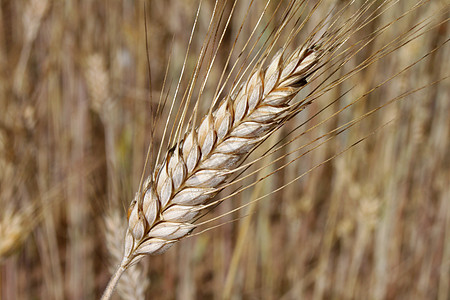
x,y
113,282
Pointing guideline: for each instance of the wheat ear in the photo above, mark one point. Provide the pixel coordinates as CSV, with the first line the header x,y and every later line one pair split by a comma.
x,y
134,283
194,170
15,226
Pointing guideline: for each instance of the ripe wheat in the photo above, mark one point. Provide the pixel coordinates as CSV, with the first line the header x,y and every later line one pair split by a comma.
x,y
202,162
15,227
194,170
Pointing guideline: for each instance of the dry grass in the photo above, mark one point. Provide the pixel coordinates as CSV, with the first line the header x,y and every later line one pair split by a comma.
x,y
75,125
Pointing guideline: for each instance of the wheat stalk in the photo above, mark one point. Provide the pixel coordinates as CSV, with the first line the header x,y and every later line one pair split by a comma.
x,y
194,170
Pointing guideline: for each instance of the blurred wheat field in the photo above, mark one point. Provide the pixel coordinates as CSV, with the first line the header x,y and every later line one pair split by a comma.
x,y
75,123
